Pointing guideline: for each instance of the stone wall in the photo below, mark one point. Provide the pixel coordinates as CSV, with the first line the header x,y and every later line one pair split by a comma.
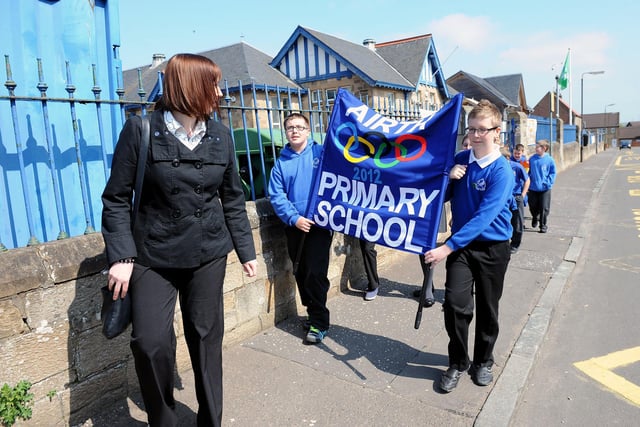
x,y
50,330
565,155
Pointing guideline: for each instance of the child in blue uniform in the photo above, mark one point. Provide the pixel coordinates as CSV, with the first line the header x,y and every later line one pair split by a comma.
x,y
520,189
519,156
477,252
290,191
542,171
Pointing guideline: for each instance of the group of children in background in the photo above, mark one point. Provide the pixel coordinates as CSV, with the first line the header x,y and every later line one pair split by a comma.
x,y
488,195
534,178
535,185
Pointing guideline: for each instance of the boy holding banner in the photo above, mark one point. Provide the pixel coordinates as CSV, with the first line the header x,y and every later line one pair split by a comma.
x,y
477,253
309,246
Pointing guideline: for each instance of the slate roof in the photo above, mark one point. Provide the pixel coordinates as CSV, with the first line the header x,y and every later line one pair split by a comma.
x,y
239,61
510,86
148,77
358,59
243,62
488,88
407,56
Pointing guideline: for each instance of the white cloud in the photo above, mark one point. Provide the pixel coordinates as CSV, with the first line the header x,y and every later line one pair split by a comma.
x,y
469,33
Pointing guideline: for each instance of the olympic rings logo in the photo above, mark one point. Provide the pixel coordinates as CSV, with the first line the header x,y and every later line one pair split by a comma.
x,y
359,148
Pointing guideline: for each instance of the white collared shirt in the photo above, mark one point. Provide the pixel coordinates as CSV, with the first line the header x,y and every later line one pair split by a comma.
x,y
486,160
180,132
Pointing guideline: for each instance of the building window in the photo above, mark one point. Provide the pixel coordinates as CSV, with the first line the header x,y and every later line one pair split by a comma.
x,y
316,96
364,96
331,96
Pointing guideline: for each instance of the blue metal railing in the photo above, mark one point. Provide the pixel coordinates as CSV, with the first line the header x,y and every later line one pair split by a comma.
x,y
65,200
37,207
42,87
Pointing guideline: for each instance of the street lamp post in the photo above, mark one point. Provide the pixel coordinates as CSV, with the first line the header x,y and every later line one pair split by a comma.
x,y
582,107
606,126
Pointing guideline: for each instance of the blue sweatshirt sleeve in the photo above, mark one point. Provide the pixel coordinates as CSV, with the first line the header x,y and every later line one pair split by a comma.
x,y
552,172
282,206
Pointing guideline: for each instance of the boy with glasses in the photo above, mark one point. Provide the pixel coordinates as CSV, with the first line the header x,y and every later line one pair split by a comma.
x,y
309,246
477,252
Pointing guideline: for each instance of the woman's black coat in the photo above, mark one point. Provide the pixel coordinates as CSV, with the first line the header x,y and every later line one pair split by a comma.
x,y
192,208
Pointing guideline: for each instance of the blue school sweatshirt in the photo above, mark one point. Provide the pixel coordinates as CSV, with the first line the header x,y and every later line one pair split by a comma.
x,y
542,171
520,175
480,201
291,180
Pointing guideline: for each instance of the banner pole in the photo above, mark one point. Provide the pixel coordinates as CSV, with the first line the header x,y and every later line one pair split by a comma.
x,y
299,253
423,293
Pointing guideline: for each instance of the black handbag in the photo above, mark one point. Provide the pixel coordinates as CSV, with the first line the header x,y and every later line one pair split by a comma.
x,y
116,315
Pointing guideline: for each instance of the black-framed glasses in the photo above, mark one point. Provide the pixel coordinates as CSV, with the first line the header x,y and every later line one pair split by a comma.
x,y
481,131
296,128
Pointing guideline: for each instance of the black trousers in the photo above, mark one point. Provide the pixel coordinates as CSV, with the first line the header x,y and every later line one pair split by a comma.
x,y
481,265
539,205
369,259
153,339
311,275
517,222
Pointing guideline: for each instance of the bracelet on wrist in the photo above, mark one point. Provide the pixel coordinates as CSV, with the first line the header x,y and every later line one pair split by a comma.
x,y
126,261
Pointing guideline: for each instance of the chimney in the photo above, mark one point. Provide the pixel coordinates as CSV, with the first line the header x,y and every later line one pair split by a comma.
x,y
158,58
369,44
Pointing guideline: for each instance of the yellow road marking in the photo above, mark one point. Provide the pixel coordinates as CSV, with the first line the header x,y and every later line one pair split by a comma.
x,y
601,370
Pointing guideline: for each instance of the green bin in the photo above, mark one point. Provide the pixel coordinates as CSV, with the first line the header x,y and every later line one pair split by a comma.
x,y
240,137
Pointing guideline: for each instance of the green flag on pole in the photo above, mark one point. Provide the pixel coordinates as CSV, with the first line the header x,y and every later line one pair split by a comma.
x,y
564,75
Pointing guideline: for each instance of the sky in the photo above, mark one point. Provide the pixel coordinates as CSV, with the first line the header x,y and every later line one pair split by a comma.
x,y
474,36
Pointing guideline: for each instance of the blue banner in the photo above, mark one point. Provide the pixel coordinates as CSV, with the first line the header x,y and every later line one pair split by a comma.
x,y
383,180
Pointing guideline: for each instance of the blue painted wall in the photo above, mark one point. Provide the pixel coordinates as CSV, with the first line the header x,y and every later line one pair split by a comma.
x,y
543,130
81,33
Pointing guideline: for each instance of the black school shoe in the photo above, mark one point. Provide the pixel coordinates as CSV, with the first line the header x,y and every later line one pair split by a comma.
x,y
481,375
449,379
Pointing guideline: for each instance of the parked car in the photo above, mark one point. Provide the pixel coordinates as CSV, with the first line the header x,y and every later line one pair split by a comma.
x,y
625,144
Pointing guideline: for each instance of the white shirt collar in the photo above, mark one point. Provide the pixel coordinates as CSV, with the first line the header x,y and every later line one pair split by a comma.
x,y
486,160
180,132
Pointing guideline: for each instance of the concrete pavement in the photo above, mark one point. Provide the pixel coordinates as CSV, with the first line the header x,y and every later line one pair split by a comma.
x,y
374,368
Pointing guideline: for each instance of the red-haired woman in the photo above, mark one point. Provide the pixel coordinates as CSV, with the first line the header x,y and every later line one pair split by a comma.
x,y
191,215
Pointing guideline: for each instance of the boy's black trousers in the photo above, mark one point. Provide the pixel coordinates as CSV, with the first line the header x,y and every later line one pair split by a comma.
x,y
479,269
313,267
